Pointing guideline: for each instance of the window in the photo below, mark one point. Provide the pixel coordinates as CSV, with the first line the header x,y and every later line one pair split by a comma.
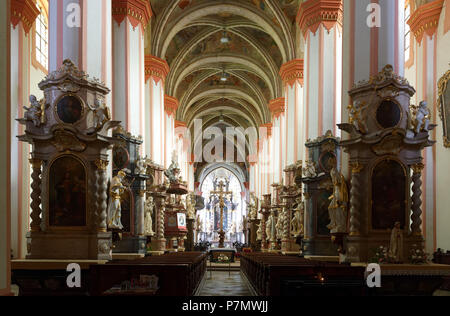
x,y
41,41
409,58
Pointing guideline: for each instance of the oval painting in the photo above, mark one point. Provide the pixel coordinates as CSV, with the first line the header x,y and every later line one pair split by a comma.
x,y
69,109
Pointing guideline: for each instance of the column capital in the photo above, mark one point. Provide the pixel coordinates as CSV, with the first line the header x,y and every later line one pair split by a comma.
x,y
426,19
170,105
156,68
24,11
292,71
276,106
138,11
312,13
180,124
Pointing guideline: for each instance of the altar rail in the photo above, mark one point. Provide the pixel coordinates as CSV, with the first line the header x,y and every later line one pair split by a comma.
x,y
179,274
277,275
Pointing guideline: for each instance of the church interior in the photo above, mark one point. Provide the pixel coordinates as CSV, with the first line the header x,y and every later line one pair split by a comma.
x,y
224,147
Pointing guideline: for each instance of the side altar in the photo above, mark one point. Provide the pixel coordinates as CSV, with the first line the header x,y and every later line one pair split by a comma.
x,y
68,131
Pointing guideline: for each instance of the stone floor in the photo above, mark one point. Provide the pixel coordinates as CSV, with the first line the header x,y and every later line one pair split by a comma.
x,y
224,284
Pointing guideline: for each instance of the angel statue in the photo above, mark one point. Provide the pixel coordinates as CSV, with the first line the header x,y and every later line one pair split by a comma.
x,y
297,222
339,200
114,207
148,221
420,116
36,111
309,171
141,165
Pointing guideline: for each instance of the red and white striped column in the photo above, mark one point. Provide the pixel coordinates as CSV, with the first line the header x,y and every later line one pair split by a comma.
x,y
277,108
80,30
424,23
292,75
183,145
5,147
321,24
265,163
23,15
156,71
373,38
131,17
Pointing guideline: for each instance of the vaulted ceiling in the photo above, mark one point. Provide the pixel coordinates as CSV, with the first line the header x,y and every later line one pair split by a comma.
x,y
206,41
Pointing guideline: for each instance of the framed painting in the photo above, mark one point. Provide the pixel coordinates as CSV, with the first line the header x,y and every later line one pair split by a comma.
x,y
444,106
67,193
389,197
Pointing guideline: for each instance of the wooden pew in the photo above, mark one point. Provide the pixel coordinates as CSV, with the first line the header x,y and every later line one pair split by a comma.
x,y
179,274
275,275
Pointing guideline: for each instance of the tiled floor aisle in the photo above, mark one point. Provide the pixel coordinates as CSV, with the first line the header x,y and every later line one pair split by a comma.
x,y
222,284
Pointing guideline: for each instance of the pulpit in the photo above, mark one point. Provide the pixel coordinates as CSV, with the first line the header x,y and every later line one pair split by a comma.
x,y
69,131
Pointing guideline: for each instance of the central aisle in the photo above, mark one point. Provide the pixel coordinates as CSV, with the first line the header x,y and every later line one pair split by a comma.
x,y
222,284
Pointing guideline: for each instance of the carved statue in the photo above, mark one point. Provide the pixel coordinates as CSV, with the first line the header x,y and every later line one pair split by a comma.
x,y
396,243
420,117
141,165
259,232
280,226
271,231
102,114
190,206
339,200
148,221
253,206
309,171
114,208
199,223
297,222
36,111
172,172
355,114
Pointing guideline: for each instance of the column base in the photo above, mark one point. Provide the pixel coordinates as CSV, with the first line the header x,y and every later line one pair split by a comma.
x,y
159,244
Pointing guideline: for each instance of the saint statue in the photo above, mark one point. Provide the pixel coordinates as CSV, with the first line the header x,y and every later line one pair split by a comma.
x,y
148,221
396,243
339,200
271,230
190,206
253,206
297,222
114,208
199,223
259,232
172,172
280,225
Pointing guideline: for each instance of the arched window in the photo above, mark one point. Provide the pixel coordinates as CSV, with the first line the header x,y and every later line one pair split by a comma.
x,y
409,40
40,38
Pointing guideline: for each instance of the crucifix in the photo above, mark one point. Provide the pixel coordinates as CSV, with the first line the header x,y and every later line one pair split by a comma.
x,y
221,193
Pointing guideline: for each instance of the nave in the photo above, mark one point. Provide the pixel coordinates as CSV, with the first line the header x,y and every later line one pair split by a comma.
x,y
305,143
